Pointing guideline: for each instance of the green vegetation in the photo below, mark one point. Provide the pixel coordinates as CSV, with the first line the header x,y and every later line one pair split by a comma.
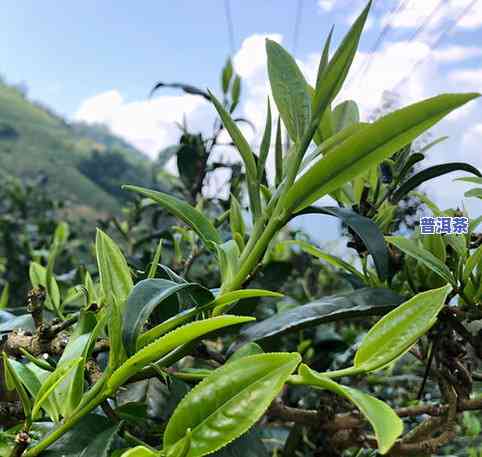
x,y
204,326
34,143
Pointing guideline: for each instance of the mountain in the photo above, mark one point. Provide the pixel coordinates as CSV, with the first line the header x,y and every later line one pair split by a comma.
x,y
83,164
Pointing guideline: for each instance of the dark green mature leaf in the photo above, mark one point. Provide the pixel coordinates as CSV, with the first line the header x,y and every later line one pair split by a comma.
x,y
146,296
430,173
192,90
397,331
387,425
365,228
115,277
9,322
247,445
289,89
167,343
369,147
359,303
244,390
412,249
93,432
190,215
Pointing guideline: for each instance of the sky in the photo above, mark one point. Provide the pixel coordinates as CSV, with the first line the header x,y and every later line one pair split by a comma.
x,y
97,61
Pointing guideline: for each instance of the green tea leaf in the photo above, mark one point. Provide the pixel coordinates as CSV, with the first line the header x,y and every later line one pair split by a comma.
x,y
289,89
385,422
473,262
265,144
146,296
412,249
365,228
222,303
140,451
115,277
228,258
155,261
226,75
38,278
236,220
429,173
5,296
278,155
336,261
369,147
13,382
235,93
359,303
244,390
169,342
191,216
331,79
51,383
345,115
397,331
246,154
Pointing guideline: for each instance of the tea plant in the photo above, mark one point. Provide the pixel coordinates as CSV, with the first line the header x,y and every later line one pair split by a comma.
x,y
88,356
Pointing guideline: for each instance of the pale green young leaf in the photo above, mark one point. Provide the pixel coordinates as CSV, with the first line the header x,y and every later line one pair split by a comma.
x,y
115,277
473,263
331,80
5,296
154,351
228,259
188,214
236,220
235,93
289,89
155,261
226,75
345,115
369,147
278,155
333,260
223,302
412,249
51,383
13,382
265,144
244,390
140,451
396,332
38,278
385,422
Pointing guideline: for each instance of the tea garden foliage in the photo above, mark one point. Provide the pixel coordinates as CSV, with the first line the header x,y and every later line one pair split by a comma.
x,y
210,328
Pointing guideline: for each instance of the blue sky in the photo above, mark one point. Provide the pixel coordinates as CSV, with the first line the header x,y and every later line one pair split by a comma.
x,y
96,61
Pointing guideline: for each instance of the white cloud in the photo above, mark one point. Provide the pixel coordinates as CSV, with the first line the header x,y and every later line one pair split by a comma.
x,y
326,5
456,53
433,13
148,124
471,79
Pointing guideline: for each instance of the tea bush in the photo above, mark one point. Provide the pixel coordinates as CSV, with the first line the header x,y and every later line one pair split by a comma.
x,y
144,362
